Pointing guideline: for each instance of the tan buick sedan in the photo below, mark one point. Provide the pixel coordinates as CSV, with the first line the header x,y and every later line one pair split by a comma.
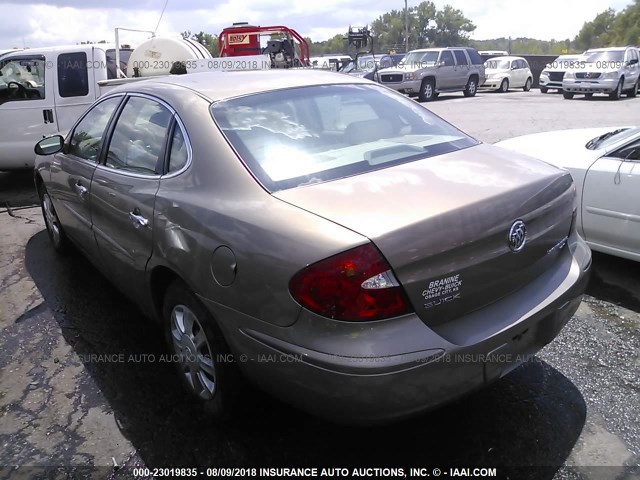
x,y
356,255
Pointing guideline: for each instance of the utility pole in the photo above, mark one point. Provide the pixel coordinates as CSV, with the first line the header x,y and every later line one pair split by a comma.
x,y
406,28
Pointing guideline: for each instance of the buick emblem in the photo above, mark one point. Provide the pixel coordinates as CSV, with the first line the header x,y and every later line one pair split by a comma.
x,y
517,236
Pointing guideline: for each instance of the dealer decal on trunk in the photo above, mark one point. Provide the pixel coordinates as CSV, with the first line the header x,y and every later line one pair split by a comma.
x,y
443,290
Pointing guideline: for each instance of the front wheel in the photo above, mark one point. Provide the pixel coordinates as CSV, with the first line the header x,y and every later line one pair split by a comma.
x,y
427,90
504,86
527,85
201,355
617,93
471,88
544,89
634,90
567,95
52,222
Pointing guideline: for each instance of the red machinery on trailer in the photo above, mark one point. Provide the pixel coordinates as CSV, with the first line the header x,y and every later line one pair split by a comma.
x,y
285,46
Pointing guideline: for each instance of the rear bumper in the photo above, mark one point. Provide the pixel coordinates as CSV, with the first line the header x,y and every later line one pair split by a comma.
x,y
392,369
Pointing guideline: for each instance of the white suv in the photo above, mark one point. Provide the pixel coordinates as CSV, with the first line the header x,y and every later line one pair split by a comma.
x,y
613,71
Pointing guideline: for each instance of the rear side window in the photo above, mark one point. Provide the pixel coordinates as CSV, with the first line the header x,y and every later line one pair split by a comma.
x,y
179,154
330,132
475,57
461,58
73,78
138,140
87,136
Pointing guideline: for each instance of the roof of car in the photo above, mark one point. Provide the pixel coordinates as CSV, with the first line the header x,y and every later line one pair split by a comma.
x,y
506,57
221,85
607,49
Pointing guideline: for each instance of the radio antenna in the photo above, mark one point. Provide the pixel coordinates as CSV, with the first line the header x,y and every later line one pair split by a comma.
x,y
160,19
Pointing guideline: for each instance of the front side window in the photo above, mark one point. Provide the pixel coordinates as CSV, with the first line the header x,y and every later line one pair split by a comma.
x,y
447,59
73,78
86,139
334,131
139,137
22,78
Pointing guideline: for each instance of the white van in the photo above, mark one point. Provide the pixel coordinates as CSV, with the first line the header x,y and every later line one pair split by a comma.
x,y
43,91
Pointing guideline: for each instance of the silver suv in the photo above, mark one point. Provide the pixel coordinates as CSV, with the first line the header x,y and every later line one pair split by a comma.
x,y
430,71
613,71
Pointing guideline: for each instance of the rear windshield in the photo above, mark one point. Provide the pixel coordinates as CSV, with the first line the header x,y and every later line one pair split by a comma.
x,y
294,137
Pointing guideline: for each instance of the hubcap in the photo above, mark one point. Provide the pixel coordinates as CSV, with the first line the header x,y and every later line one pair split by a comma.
x,y
193,351
472,87
428,91
51,218
504,85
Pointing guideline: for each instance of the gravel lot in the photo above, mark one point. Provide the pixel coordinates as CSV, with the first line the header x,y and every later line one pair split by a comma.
x,y
571,413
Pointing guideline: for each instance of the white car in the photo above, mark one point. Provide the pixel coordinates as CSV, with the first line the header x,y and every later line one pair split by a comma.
x,y
605,166
507,72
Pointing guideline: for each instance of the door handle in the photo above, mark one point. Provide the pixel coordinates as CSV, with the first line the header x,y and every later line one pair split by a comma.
x,y
47,115
137,219
80,190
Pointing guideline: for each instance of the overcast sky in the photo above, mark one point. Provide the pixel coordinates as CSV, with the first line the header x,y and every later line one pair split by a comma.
x,y
35,24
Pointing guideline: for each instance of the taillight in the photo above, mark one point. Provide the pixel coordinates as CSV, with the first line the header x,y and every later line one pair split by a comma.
x,y
356,285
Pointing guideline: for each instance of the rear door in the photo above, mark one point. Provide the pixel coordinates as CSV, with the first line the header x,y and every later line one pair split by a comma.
x,y
26,107
611,201
125,186
72,171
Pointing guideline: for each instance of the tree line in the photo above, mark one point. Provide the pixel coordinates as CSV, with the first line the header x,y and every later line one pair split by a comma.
x,y
448,26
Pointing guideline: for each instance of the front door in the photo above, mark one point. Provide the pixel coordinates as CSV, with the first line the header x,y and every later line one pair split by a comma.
x,y
27,111
125,187
72,171
447,73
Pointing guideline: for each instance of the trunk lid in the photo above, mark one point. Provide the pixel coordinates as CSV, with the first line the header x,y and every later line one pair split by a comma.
x,y
443,223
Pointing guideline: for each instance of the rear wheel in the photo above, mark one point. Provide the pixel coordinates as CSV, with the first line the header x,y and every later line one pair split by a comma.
x,y
427,90
617,93
527,85
544,89
567,95
504,86
202,356
471,88
56,234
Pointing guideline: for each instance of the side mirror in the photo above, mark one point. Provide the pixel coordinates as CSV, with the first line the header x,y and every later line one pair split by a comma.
x,y
440,64
49,145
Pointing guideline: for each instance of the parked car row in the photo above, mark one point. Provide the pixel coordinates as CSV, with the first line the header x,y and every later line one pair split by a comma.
x,y
612,71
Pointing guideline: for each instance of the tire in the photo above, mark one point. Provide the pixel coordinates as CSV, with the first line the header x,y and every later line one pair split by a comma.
x,y
527,85
544,89
634,90
617,93
58,238
203,357
504,86
427,90
588,95
471,87
567,95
